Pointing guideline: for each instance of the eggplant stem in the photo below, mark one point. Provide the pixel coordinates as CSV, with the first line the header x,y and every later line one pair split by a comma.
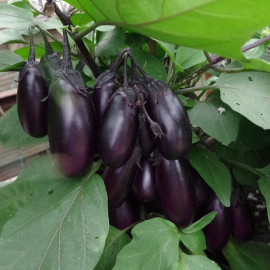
x,y
66,63
48,47
31,56
125,79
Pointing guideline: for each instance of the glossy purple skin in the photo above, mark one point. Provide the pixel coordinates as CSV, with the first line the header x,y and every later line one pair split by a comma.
x,y
118,131
144,185
242,223
218,231
71,129
172,117
146,138
118,182
101,96
175,190
32,112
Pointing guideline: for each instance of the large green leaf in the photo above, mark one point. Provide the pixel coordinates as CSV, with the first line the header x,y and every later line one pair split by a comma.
x,y
213,171
11,132
49,221
115,241
11,35
154,246
247,93
219,124
195,241
264,185
14,17
221,27
247,256
10,61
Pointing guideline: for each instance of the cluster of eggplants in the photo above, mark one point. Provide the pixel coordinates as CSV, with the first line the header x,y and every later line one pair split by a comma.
x,y
52,99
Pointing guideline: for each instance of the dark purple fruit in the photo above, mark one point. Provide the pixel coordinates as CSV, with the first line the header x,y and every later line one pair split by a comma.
x,y
118,130
218,231
176,191
71,121
165,108
124,215
118,181
144,185
32,89
242,222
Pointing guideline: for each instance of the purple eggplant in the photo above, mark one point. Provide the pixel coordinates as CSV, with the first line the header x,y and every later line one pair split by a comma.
x,y
144,185
124,215
176,191
71,121
118,181
32,89
218,231
242,222
165,108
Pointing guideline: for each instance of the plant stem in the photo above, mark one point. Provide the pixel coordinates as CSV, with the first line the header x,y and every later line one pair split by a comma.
x,y
255,44
194,89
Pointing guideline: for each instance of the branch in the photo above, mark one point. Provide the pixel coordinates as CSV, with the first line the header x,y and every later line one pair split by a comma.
x,y
255,44
194,89
65,19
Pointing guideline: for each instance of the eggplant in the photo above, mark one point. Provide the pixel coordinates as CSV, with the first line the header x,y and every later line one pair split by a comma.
x,y
118,181
144,184
217,232
50,62
165,108
176,191
242,222
125,215
32,90
71,121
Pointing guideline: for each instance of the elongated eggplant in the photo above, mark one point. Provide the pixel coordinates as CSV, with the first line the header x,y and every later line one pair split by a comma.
x,y
32,89
50,62
118,181
165,108
124,215
144,184
218,231
176,191
242,222
71,124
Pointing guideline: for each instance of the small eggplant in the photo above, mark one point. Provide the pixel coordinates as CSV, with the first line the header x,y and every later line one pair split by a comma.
x,y
144,185
32,89
165,108
71,121
218,231
176,191
124,215
242,223
118,181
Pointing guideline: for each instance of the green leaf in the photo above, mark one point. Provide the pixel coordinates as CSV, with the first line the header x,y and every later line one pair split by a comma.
x,y
187,102
115,241
223,126
195,137
193,24
247,93
80,19
255,52
195,262
11,132
213,171
154,246
247,256
111,43
264,185
10,61
188,57
244,177
200,224
14,17
11,36
54,222
195,242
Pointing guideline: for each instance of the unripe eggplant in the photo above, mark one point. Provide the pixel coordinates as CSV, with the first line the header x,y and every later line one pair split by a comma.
x,y
124,215
218,231
176,191
242,223
118,181
71,122
165,108
50,62
32,89
144,184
